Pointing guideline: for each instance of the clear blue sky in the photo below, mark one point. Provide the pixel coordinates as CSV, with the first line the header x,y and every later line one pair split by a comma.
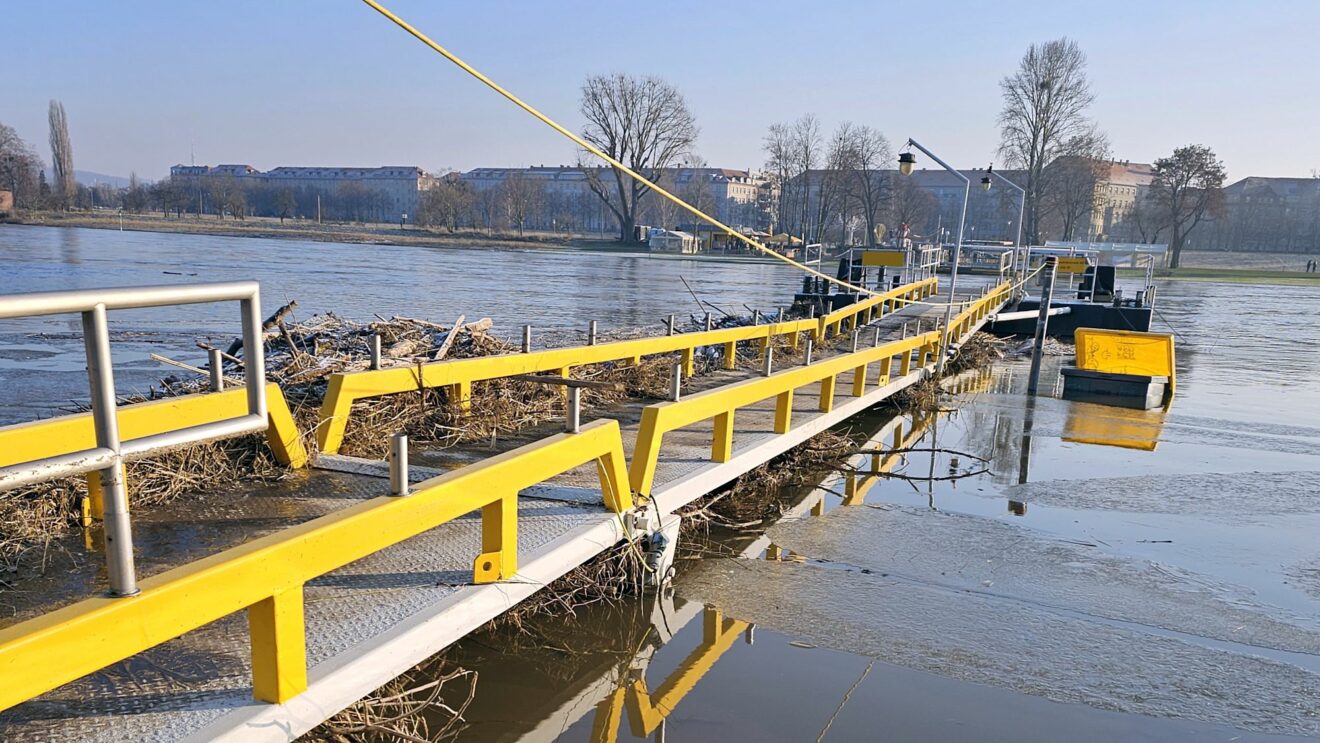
x,y
275,82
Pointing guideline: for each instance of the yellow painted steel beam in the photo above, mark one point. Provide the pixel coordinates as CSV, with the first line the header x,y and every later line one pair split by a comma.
x,y
345,389
267,574
24,442
661,418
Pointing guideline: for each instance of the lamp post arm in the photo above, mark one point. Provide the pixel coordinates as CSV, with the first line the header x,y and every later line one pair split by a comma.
x,y
957,253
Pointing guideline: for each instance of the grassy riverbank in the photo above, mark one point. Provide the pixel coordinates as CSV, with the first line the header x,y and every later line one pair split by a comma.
x,y
1232,276
266,227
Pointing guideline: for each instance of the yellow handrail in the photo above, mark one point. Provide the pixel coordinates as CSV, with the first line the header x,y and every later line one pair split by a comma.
x,y
459,374
65,434
720,404
266,576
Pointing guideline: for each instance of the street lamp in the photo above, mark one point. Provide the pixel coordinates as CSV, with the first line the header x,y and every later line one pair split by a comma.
x,y
1022,207
905,162
985,183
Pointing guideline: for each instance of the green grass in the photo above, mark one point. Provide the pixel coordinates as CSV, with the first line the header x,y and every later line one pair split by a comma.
x,y
1232,276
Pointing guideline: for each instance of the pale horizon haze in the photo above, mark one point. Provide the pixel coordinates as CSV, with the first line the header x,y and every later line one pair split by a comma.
x,y
150,84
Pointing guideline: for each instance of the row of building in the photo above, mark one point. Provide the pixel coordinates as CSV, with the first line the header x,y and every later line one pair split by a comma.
x,y
1259,212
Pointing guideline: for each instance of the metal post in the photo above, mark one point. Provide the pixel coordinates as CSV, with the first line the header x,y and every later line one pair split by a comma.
x,y
806,354
574,410
876,341
1042,324
957,253
591,333
812,311
118,528
905,331
856,334
217,366
399,464
671,325
375,350
676,382
780,317
756,317
710,322
767,366
527,339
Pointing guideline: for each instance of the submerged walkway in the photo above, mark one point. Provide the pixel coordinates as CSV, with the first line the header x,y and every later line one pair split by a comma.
x,y
375,618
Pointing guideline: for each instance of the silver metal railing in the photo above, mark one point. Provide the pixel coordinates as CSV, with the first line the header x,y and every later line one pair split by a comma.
x,y
108,456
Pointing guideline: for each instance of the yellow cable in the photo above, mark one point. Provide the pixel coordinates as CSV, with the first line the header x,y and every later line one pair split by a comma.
x,y
599,153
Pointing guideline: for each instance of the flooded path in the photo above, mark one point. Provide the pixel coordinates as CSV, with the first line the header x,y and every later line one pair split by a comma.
x,y
1135,576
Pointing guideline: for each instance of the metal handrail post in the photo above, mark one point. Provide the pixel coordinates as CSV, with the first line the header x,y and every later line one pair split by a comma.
x,y
957,253
105,420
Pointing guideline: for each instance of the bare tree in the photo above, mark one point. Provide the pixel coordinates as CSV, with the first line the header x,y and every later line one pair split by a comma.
x,y
780,163
520,197
861,153
284,203
643,123
20,169
61,157
909,204
1045,105
1074,181
1188,186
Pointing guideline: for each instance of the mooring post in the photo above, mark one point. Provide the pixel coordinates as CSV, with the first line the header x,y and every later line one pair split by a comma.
x,y
527,339
574,423
767,366
217,365
806,355
1042,323
676,382
375,351
591,333
399,464
710,322
671,325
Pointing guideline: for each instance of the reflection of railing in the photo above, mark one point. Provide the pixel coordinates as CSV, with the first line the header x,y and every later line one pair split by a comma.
x,y
857,484
266,576
647,711
458,375
722,403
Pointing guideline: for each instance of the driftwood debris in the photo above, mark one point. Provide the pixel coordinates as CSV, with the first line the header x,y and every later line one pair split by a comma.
x,y
277,318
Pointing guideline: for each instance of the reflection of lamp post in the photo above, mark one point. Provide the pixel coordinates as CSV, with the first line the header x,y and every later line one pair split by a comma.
x,y
1022,208
905,162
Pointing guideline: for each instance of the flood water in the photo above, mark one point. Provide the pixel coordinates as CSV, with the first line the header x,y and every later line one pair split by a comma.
x,y
1136,576
1112,575
41,359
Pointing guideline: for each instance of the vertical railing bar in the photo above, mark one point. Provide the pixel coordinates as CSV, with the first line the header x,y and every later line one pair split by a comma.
x,y
101,380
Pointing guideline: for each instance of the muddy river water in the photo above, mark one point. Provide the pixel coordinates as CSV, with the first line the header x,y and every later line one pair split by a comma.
x,y
1110,575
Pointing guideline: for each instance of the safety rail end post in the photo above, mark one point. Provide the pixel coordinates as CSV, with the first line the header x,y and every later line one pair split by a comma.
x,y
216,365
399,464
375,351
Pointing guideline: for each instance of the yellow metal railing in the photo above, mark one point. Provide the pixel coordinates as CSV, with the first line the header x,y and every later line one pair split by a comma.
x,y
722,403
866,310
979,309
458,375
266,576
26,442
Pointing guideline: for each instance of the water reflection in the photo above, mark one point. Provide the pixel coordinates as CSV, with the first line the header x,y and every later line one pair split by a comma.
x,y
1104,425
